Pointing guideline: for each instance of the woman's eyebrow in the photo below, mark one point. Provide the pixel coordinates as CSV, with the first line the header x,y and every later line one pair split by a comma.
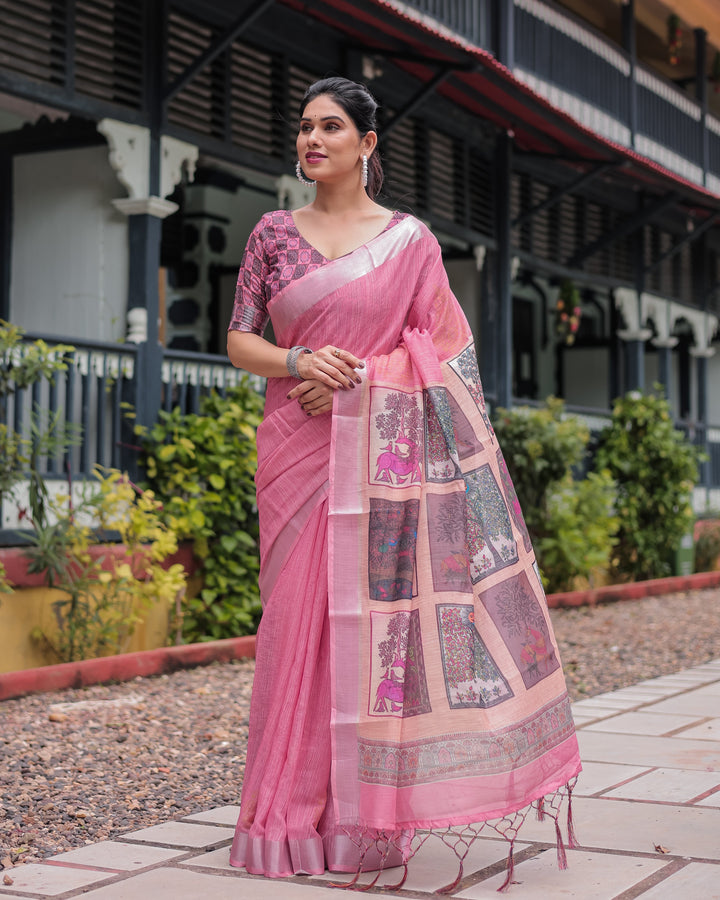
x,y
324,118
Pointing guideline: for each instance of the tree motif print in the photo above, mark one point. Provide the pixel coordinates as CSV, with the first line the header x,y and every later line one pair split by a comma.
x,y
401,682
472,678
466,366
490,541
398,462
519,609
392,538
441,457
448,544
512,501
515,608
449,523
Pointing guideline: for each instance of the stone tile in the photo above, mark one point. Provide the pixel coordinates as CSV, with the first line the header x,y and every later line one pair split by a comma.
x,y
640,722
629,826
222,815
185,884
648,751
669,785
591,708
583,720
49,881
607,701
712,800
708,731
213,859
700,880
181,834
435,865
616,699
695,703
596,777
589,876
118,855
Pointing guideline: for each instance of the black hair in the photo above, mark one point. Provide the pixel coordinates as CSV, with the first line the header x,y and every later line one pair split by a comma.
x,y
361,106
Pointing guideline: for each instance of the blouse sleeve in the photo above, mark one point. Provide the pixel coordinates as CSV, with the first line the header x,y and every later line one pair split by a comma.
x,y
250,307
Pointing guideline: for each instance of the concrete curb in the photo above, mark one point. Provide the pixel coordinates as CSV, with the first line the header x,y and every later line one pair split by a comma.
x,y
167,659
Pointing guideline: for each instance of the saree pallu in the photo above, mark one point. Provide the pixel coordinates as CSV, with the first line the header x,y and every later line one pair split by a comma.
x,y
407,681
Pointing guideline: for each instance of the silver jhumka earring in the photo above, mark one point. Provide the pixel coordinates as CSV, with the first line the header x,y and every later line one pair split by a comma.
x,y
364,171
301,178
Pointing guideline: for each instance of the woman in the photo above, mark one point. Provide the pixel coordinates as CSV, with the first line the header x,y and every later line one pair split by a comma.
x,y
407,676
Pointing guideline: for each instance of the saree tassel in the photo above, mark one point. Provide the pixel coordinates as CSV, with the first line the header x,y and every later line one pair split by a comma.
x,y
541,810
572,837
505,886
449,888
561,855
398,886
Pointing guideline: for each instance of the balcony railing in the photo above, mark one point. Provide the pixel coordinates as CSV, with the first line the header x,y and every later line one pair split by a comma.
x,y
469,18
92,397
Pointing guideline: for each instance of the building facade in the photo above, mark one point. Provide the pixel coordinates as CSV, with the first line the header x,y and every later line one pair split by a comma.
x,y
563,153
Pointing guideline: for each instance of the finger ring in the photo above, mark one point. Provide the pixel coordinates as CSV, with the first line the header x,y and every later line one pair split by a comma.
x,y
337,352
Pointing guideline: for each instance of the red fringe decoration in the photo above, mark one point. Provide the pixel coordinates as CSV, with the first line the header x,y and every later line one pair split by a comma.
x,y
572,837
449,888
505,886
541,810
561,855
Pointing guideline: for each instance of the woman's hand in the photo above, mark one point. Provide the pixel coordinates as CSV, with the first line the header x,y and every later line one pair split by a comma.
x,y
313,396
331,366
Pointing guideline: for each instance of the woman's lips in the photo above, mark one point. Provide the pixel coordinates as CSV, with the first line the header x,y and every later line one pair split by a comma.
x,y
314,158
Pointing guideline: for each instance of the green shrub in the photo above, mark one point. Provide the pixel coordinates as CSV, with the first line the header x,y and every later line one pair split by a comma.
x,y
202,467
570,523
579,532
540,447
655,469
707,547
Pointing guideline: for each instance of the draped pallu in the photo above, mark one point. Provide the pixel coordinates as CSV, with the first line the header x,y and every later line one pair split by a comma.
x,y
408,681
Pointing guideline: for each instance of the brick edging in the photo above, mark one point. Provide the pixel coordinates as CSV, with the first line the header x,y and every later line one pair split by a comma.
x,y
635,590
123,667
167,659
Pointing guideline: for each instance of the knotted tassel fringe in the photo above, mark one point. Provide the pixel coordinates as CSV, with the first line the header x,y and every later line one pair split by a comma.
x,y
572,837
541,810
561,855
505,886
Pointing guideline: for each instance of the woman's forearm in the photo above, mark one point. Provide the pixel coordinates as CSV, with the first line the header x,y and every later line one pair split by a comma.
x,y
253,353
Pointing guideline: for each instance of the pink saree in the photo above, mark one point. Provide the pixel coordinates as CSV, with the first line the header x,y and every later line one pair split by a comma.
x,y
407,680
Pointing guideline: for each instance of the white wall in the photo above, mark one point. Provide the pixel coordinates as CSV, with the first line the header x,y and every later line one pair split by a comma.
x,y
69,254
465,284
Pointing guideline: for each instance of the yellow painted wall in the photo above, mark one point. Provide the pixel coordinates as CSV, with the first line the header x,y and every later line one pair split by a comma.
x,y
27,609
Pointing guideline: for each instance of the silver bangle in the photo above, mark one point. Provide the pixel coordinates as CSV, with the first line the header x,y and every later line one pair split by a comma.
x,y
292,358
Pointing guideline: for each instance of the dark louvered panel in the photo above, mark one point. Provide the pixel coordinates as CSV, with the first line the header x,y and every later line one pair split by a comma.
x,y
401,169
482,195
520,187
684,277
33,39
564,221
200,105
252,100
298,81
441,175
543,239
109,50
596,226
623,252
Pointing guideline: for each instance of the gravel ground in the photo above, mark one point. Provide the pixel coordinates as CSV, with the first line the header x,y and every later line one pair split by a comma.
x,y
80,766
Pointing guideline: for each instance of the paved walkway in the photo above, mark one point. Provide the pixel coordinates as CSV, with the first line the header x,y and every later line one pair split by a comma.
x,y
647,813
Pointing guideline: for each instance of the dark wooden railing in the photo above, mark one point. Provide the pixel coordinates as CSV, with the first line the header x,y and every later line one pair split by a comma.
x,y
472,19
92,398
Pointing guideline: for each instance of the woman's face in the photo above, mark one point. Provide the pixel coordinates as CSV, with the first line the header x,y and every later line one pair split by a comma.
x,y
329,145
